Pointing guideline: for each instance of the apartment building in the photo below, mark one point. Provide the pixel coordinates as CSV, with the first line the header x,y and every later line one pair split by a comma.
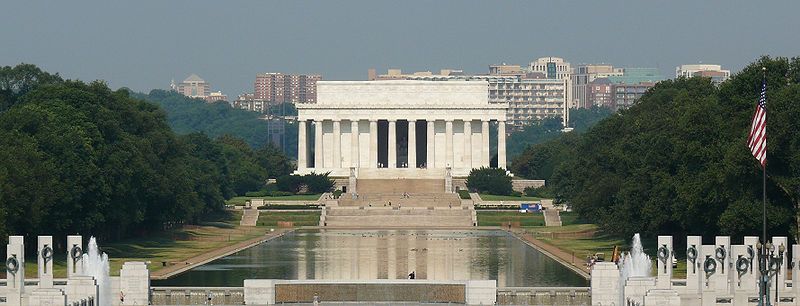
x,y
715,72
278,87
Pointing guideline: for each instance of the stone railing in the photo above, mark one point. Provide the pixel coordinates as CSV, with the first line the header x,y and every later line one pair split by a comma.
x,y
197,295
544,296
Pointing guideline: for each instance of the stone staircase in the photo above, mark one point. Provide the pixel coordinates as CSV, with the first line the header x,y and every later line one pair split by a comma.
x,y
249,217
406,217
441,199
400,186
399,203
552,217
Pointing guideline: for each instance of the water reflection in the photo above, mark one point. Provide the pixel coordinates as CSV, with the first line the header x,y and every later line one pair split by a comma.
x,y
387,254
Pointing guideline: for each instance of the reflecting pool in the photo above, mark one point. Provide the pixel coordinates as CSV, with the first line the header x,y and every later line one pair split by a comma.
x,y
386,254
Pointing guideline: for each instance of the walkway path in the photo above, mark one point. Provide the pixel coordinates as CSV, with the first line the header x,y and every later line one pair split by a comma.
x,y
567,259
202,259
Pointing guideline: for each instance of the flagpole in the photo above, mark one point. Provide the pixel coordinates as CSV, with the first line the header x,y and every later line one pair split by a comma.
x,y
764,298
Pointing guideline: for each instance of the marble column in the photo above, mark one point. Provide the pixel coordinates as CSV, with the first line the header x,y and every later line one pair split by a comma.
x,y
412,143
392,146
501,144
337,144
468,143
448,143
302,153
354,148
486,154
373,143
318,145
431,146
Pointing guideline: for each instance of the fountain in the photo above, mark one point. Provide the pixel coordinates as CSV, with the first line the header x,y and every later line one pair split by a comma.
x,y
636,267
95,264
636,262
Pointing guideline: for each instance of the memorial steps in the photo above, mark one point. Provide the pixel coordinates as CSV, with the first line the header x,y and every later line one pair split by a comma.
x,y
399,218
424,200
399,186
399,203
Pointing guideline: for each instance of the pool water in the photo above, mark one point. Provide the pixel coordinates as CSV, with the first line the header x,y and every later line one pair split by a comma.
x,y
386,254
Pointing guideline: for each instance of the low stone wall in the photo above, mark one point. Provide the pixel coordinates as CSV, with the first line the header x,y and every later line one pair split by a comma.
x,y
260,291
544,296
426,293
520,185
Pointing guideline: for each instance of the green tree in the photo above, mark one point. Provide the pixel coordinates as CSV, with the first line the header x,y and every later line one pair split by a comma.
x,y
676,162
490,180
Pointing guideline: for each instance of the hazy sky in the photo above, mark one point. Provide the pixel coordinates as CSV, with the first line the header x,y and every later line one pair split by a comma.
x,y
144,44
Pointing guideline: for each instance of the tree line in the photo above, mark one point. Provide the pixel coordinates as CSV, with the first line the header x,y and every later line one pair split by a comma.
x,y
79,157
188,115
677,161
549,128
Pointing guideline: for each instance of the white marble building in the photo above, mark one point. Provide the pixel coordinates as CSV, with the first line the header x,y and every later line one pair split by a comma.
x,y
399,129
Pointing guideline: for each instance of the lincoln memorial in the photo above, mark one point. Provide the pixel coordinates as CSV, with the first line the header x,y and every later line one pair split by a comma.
x,y
399,129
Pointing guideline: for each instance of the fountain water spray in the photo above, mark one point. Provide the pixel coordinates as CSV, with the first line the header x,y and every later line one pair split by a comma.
x,y
634,264
95,264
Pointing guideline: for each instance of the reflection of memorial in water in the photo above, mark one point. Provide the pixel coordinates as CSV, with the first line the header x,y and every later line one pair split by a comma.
x,y
386,254
393,255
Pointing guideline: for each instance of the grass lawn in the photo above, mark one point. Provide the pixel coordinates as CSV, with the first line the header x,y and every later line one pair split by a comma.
x,y
581,247
299,218
174,245
491,197
496,218
570,218
296,197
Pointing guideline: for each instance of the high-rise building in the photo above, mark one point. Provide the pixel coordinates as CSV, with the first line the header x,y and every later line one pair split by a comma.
x,y
555,68
193,87
249,102
507,70
715,72
600,92
279,87
621,91
585,74
530,96
216,96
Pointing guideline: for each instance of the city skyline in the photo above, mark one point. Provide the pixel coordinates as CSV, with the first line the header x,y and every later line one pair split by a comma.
x,y
138,45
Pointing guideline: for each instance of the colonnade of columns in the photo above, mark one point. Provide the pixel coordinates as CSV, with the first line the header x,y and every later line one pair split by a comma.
x,y
465,145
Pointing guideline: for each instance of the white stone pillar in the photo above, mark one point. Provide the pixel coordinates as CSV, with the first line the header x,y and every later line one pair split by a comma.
x,y
318,156
302,152
468,143
448,142
373,143
664,255
781,282
501,144
134,278
392,146
74,255
486,154
45,261
337,144
354,148
15,282
694,268
431,145
412,143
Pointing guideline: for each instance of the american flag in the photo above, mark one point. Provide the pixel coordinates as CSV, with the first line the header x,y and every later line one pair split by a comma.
x,y
757,141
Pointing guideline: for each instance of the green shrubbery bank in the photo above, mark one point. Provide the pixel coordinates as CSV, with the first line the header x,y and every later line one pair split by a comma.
x,y
81,158
677,162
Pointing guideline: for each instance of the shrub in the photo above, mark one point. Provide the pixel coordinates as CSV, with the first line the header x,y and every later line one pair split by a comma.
x,y
464,194
490,180
289,183
337,194
318,183
541,192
